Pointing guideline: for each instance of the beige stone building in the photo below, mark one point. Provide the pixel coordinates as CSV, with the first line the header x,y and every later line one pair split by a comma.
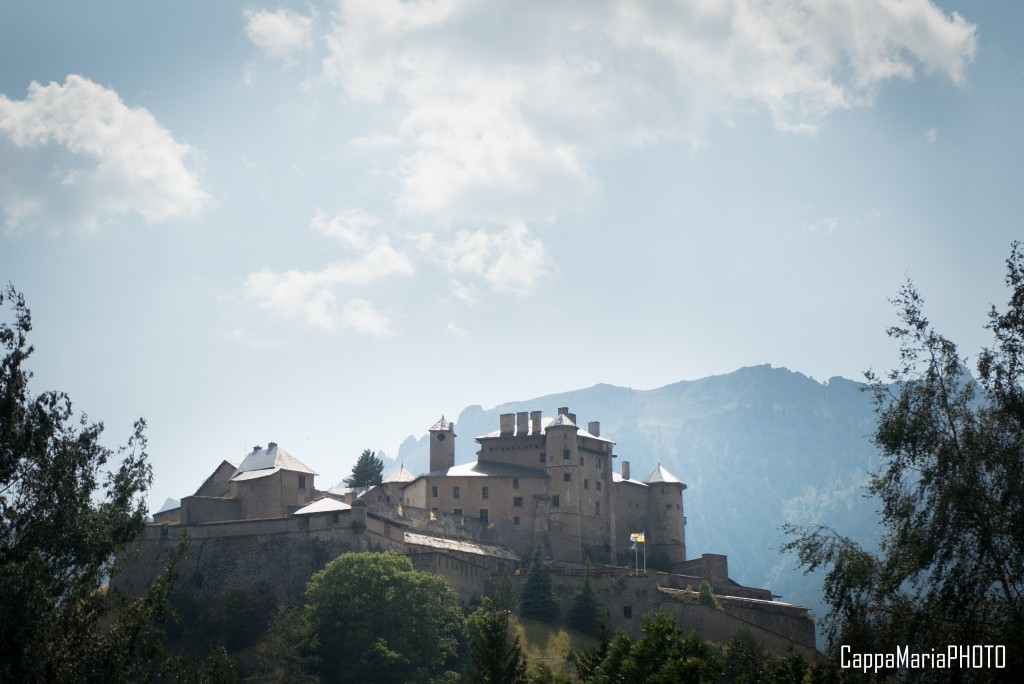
x,y
546,480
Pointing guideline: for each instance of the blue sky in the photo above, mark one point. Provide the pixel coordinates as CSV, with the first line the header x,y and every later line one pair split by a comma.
x,y
325,224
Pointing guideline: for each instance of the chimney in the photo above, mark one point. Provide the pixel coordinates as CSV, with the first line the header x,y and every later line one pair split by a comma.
x,y
507,424
256,448
625,470
563,410
537,421
522,423
594,428
271,445
572,417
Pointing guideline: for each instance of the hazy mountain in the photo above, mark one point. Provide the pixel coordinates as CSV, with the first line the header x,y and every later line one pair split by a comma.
x,y
757,447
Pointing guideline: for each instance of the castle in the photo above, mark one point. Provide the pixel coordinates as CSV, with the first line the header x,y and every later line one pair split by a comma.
x,y
536,480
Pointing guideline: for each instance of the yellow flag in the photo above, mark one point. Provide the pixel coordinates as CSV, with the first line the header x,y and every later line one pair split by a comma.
x,y
462,520
490,525
640,537
636,537
400,509
432,516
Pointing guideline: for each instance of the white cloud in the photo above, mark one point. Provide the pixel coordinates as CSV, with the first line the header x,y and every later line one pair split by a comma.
x,y
932,135
312,296
105,158
509,261
501,109
282,34
827,225
456,330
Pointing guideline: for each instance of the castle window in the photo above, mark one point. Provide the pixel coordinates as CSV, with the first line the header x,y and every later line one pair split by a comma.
x,y
581,460
597,508
517,501
543,457
302,481
586,484
485,493
515,483
456,493
598,485
433,491
555,501
566,477
668,506
456,511
515,520
483,515
598,464
566,454
627,612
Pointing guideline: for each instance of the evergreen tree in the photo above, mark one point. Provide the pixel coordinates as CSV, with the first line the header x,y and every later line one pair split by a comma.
x,y
288,652
585,606
505,593
706,595
367,472
495,658
537,600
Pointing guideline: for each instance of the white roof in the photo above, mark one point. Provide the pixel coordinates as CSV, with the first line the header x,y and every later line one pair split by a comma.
x,y
271,457
400,475
462,545
659,475
545,422
324,505
254,474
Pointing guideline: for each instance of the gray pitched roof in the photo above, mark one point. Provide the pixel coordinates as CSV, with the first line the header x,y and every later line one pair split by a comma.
x,y
271,457
400,475
324,505
659,474
442,424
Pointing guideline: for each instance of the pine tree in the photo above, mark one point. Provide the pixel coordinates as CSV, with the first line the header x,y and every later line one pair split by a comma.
x,y
367,472
495,658
538,601
585,607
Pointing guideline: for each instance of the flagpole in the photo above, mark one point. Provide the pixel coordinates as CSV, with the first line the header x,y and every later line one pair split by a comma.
x,y
644,533
636,559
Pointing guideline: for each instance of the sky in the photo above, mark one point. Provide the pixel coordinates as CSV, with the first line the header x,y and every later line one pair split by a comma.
x,y
327,224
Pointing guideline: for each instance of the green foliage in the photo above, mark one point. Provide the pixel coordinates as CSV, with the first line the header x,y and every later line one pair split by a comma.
x,y
537,600
236,620
706,596
951,563
585,607
661,656
379,620
586,661
496,657
504,596
68,507
288,652
368,471
543,674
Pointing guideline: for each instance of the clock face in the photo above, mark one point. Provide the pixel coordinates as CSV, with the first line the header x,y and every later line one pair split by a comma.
x,y
440,436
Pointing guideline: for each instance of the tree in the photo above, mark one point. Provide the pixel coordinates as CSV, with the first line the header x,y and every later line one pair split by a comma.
x,y
538,601
661,656
287,653
367,472
495,658
950,565
504,596
68,506
379,620
585,607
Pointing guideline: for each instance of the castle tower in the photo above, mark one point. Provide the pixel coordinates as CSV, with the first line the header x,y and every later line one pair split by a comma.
x,y
667,536
442,445
562,450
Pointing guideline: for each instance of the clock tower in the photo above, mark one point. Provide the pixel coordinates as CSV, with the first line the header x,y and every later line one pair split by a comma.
x,y
442,445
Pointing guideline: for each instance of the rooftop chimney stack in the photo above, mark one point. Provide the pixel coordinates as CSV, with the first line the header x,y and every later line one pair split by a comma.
x,y
563,410
625,470
507,424
271,445
594,428
537,420
522,423
256,448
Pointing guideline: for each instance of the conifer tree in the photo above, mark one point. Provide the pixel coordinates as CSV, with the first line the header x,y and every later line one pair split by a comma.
x,y
538,601
585,606
367,471
496,659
